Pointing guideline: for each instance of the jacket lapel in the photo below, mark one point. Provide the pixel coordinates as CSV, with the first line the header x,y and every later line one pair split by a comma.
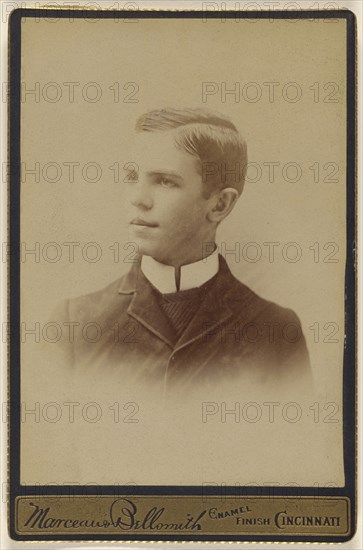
x,y
144,306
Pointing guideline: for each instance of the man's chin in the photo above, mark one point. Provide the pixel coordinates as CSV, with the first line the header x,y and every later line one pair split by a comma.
x,y
149,245
146,249
144,246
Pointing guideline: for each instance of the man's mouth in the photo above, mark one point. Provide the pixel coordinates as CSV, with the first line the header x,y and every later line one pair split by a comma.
x,y
143,223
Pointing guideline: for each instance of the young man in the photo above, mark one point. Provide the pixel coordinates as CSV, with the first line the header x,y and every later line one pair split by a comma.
x,y
179,318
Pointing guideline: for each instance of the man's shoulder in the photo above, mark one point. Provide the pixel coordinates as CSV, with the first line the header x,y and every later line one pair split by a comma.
x,y
246,303
276,330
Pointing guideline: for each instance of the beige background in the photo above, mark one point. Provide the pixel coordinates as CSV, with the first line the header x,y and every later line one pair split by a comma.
x,y
169,60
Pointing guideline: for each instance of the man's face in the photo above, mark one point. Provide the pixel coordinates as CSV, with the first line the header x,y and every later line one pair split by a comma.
x,y
167,213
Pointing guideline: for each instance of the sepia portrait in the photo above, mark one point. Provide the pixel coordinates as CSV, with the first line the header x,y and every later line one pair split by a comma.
x,y
183,253
191,322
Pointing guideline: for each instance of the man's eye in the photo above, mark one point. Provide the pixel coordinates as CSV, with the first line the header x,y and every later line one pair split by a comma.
x,y
166,182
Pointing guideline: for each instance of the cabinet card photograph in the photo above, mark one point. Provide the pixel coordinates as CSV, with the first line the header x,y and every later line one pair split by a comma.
x,y
182,277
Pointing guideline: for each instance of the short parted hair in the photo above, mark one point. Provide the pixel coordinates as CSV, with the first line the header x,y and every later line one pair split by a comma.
x,y
210,137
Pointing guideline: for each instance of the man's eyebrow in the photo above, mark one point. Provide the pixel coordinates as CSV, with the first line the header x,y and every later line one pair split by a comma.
x,y
165,173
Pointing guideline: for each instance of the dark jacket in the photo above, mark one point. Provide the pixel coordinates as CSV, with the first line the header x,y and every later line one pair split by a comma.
x,y
234,335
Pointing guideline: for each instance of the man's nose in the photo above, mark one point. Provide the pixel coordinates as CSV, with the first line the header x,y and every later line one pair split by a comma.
x,y
141,195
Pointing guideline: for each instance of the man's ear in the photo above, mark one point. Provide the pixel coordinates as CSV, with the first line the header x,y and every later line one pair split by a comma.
x,y
222,205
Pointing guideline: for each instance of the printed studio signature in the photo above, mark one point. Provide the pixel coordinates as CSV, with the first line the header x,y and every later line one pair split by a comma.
x,y
123,514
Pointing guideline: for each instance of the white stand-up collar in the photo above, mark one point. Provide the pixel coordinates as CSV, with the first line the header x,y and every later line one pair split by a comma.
x,y
193,275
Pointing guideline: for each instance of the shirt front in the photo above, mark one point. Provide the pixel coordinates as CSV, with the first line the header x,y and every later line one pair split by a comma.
x,y
180,305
